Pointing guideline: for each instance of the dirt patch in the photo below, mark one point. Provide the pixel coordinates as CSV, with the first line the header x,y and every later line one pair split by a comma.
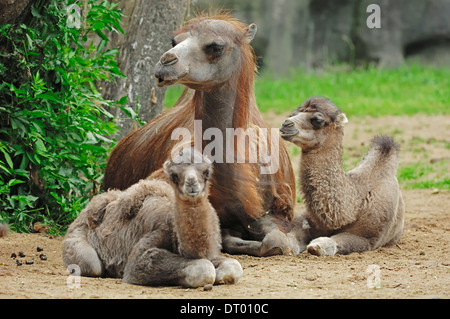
x,y
418,267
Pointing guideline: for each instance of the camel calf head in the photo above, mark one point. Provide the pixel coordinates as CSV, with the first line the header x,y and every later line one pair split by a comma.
x,y
189,172
313,123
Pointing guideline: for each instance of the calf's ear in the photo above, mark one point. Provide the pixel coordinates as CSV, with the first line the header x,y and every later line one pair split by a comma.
x,y
341,120
166,166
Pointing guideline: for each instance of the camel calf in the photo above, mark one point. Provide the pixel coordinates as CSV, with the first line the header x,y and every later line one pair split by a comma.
x,y
345,212
155,232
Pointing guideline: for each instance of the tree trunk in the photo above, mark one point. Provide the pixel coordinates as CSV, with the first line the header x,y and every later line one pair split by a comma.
x,y
148,27
12,11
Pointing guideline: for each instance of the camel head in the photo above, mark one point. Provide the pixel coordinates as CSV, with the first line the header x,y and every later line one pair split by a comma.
x,y
313,123
206,52
189,172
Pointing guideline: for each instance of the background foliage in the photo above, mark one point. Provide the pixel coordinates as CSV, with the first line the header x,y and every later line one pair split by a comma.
x,y
54,125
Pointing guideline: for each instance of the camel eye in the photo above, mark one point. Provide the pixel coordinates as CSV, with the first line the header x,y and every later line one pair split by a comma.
x,y
174,177
214,50
174,43
317,122
207,174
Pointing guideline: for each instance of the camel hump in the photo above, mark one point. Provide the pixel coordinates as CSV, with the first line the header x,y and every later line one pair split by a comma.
x,y
385,145
380,161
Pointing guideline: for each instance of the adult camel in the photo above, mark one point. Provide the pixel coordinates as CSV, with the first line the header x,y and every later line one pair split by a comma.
x,y
213,58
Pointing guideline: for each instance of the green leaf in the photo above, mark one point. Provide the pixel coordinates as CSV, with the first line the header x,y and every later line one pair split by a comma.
x,y
7,158
49,96
13,182
40,147
35,12
102,35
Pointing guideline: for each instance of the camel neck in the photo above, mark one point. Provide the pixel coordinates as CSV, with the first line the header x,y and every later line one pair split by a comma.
x,y
218,107
324,163
192,223
328,192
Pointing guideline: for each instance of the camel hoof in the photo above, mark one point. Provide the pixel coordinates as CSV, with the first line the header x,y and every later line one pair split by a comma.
x,y
275,243
322,246
198,273
229,272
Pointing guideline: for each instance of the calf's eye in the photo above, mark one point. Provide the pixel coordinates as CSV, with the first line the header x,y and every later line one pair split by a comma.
x,y
317,122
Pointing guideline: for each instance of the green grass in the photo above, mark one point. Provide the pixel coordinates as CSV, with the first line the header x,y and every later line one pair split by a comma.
x,y
373,92
358,92
424,175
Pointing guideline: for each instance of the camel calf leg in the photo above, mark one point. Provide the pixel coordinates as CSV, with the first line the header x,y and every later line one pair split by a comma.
x,y
274,243
228,270
160,267
342,243
235,245
76,250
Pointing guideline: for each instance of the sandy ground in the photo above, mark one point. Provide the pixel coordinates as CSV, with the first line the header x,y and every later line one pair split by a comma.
x,y
418,267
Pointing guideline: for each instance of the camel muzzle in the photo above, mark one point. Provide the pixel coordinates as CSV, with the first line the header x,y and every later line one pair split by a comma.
x,y
288,129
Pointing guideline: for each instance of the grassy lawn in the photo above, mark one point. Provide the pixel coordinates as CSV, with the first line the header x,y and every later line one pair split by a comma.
x,y
359,92
373,92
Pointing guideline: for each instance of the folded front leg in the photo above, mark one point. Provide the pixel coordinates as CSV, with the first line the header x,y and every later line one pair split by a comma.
x,y
275,242
157,267
342,243
149,263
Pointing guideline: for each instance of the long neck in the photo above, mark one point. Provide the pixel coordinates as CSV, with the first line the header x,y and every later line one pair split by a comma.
x,y
227,105
196,232
328,193
218,107
322,162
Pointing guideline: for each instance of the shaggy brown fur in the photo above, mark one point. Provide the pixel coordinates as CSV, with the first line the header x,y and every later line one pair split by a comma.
x,y
359,210
154,232
239,193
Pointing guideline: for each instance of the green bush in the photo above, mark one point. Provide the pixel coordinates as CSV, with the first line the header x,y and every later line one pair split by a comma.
x,y
55,130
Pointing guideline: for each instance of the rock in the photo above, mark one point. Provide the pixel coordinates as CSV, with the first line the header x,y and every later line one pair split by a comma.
x,y
208,287
39,228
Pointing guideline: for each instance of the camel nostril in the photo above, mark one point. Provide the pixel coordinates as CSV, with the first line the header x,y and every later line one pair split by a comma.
x,y
191,182
169,58
288,123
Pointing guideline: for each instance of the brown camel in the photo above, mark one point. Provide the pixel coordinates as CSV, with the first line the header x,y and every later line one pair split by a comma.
x,y
154,232
212,56
345,212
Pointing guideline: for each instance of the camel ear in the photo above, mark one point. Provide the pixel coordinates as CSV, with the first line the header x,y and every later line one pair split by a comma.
x,y
341,120
250,32
166,166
